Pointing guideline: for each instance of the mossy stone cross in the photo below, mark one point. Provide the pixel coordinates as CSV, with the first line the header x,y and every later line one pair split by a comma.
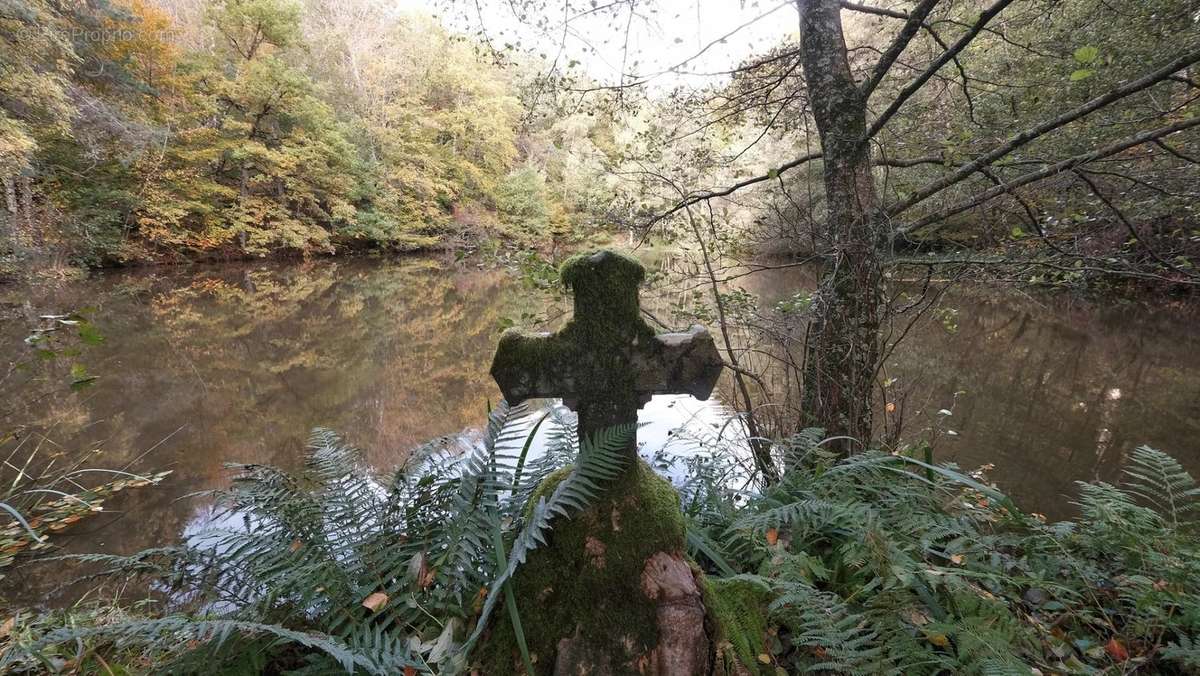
x,y
605,362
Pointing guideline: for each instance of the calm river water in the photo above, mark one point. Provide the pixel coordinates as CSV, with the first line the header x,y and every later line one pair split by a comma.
x,y
206,365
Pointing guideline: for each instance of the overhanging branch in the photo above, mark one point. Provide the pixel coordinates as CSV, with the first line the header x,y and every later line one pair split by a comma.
x,y
696,198
913,23
1164,72
947,56
1068,164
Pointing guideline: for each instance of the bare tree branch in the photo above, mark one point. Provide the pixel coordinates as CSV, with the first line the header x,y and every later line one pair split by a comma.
x,y
878,11
1176,153
1129,225
913,87
1183,61
696,198
914,22
1068,164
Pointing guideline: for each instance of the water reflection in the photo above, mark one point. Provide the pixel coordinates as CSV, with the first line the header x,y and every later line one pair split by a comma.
x,y
203,366
1049,389
238,363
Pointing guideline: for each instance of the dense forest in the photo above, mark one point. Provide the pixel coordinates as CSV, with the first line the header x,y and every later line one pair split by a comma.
x,y
162,131
825,336
155,132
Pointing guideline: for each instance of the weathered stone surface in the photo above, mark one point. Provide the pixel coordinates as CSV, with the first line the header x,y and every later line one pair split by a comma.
x,y
612,592
533,365
606,362
683,647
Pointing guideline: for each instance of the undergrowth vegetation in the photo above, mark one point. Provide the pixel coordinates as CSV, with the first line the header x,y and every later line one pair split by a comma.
x,y
877,563
44,488
881,563
336,567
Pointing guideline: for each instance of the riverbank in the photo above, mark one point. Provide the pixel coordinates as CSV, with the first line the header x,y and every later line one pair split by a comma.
x,y
206,364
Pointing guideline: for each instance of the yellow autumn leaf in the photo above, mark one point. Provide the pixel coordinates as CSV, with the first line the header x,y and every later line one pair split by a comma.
x,y
375,601
764,658
939,640
957,559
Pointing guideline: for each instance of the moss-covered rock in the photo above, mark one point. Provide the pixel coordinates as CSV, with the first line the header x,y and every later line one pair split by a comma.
x,y
592,598
605,286
606,361
737,612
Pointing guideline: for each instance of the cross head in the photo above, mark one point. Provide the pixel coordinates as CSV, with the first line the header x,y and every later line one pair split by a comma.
x,y
605,362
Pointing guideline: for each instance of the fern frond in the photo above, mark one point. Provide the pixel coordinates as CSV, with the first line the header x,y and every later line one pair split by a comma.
x,y
1108,508
1161,481
184,631
840,639
805,515
1185,652
601,459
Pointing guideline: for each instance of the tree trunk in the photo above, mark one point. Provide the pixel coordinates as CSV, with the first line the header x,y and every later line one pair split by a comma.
x,y
27,203
243,189
10,195
8,219
842,351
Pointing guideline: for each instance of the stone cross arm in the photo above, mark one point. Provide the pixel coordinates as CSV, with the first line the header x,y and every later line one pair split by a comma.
x,y
606,362
543,365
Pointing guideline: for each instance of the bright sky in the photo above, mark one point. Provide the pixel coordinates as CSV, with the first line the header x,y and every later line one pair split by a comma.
x,y
662,36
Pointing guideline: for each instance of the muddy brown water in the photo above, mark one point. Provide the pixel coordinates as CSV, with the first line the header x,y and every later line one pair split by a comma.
x,y
206,365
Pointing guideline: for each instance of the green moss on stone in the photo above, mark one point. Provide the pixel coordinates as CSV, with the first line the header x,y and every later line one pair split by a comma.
x,y
524,351
605,286
604,276
737,610
591,357
587,578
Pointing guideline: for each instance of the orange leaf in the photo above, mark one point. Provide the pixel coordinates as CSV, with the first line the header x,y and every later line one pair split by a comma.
x,y
427,578
890,407
1116,650
296,545
772,536
939,640
409,671
375,601
957,559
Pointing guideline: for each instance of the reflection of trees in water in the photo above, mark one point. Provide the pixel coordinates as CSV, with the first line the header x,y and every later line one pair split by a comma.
x,y
237,363
1041,378
248,359
1042,383
391,354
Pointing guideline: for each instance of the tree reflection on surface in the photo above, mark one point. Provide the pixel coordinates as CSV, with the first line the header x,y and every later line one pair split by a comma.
x,y
239,362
